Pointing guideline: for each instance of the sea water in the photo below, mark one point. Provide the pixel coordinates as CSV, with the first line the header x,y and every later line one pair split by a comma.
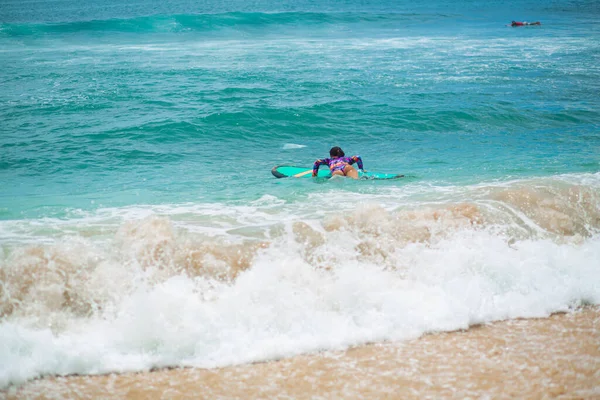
x,y
140,225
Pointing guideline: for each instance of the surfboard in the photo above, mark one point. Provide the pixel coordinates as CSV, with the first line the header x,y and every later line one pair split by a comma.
x,y
288,171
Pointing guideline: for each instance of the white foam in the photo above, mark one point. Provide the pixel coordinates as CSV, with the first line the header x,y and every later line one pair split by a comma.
x,y
154,286
291,146
217,219
283,305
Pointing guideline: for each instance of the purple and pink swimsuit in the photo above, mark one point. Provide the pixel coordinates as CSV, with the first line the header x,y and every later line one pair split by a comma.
x,y
337,164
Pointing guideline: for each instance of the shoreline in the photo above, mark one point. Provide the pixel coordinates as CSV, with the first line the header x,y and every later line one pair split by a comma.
x,y
558,356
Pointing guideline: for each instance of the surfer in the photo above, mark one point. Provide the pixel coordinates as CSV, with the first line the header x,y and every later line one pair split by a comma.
x,y
525,23
339,164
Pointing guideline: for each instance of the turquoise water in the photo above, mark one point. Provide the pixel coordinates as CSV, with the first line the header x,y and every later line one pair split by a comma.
x,y
136,146
118,106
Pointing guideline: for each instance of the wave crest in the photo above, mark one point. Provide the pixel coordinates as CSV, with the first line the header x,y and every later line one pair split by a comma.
x,y
216,297
209,22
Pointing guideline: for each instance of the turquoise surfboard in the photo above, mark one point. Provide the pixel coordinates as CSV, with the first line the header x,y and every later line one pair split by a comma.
x,y
288,171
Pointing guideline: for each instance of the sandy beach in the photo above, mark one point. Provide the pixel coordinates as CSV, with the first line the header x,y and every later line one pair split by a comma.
x,y
555,357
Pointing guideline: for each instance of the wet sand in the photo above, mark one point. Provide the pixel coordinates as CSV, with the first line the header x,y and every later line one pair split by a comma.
x,y
555,357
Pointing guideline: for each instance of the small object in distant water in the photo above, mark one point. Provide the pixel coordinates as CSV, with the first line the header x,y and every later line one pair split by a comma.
x,y
524,23
289,146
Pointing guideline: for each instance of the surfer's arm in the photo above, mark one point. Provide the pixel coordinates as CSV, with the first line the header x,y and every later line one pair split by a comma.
x,y
357,160
319,162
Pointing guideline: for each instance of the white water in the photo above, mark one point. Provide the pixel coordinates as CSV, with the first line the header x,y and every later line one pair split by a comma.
x,y
208,285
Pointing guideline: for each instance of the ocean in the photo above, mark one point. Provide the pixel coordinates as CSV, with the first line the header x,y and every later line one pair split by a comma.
x,y
140,225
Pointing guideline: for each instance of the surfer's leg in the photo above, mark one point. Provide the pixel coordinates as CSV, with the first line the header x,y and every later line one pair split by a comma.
x,y
351,172
337,172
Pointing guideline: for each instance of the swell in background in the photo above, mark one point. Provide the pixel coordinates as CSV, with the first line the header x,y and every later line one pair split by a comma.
x,y
183,107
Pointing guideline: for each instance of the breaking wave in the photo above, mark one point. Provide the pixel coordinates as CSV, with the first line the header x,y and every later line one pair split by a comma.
x,y
207,285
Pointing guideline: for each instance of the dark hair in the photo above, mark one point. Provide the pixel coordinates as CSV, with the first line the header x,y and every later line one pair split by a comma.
x,y
336,152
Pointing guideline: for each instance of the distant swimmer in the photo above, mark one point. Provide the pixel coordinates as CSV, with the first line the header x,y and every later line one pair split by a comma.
x,y
524,23
339,164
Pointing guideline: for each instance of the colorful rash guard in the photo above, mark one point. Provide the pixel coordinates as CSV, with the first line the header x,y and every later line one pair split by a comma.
x,y
337,164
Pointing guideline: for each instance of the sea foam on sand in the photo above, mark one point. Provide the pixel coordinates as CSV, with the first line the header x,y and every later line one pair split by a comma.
x,y
555,357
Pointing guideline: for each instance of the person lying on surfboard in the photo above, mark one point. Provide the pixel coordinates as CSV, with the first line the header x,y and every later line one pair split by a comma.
x,y
339,164
519,23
